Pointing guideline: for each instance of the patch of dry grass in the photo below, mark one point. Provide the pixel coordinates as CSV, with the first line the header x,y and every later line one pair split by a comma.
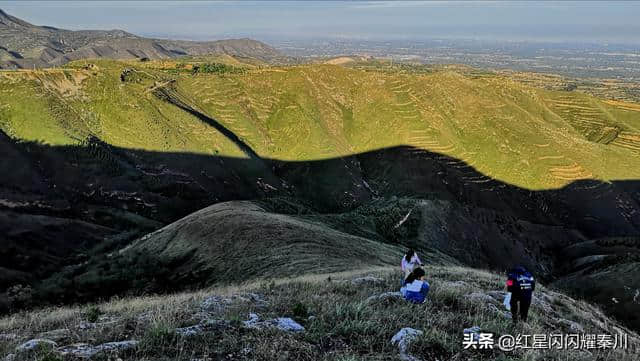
x,y
340,323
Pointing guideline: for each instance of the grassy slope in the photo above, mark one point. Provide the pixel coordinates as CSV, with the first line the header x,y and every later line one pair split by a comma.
x,y
522,135
68,110
235,240
344,325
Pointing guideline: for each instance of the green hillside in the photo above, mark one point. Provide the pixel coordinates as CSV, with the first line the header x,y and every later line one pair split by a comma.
x,y
529,137
132,177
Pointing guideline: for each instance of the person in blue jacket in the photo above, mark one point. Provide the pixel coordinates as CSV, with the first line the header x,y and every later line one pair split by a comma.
x,y
415,288
521,284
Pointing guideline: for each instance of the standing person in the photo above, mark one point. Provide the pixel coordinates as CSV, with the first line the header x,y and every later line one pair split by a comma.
x,y
521,284
409,262
415,288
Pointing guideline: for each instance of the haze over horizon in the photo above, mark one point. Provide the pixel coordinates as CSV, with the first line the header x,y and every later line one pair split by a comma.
x,y
603,22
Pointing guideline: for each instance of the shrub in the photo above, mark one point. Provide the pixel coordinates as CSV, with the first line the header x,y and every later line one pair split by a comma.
x,y
50,356
216,68
20,296
157,338
571,87
300,310
93,313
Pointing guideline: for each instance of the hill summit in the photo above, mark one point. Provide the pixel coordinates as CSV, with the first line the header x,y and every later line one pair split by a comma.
x,y
9,21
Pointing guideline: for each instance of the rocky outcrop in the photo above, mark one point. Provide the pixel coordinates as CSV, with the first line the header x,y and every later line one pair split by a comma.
x,y
78,350
35,344
478,297
385,298
474,331
282,323
402,339
83,350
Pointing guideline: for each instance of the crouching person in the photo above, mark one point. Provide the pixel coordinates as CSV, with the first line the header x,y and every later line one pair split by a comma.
x,y
415,288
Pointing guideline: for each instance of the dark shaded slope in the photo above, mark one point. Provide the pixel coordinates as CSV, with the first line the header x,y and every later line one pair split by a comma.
x,y
74,198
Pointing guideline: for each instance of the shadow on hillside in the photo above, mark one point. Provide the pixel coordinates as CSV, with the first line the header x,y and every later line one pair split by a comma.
x,y
173,97
82,194
60,203
165,186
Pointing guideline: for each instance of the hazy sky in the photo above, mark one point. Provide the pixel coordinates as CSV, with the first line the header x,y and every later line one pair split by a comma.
x,y
576,21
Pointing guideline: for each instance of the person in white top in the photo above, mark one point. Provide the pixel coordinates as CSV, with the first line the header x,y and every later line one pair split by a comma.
x,y
409,262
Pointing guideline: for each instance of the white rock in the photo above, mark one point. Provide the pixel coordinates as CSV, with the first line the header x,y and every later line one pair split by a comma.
x,y
189,331
10,357
402,339
214,303
475,331
387,296
119,346
84,350
497,295
253,321
287,324
35,343
282,323
78,349
479,297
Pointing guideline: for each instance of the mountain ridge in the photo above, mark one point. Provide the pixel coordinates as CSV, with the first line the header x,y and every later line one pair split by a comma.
x,y
25,45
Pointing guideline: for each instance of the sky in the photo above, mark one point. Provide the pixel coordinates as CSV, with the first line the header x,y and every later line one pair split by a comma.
x,y
616,22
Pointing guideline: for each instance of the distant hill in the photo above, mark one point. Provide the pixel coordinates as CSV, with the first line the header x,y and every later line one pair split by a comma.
x,y
24,45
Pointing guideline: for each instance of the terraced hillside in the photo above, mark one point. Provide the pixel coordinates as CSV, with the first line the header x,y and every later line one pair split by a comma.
x,y
469,168
324,111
